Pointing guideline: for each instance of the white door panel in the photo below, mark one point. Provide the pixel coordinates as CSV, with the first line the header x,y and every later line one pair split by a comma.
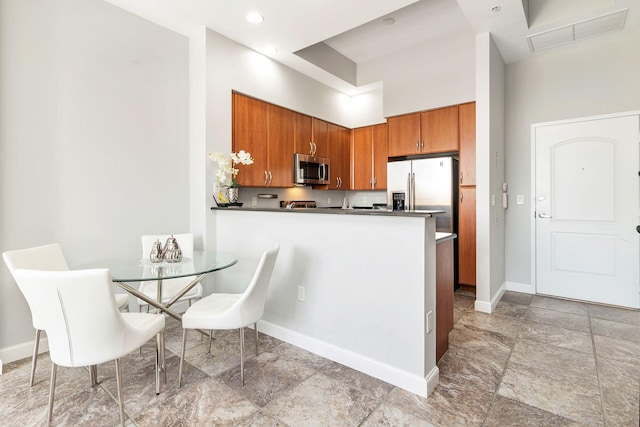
x,y
587,204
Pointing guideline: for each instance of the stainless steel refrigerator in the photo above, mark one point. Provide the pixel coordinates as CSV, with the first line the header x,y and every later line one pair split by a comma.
x,y
426,184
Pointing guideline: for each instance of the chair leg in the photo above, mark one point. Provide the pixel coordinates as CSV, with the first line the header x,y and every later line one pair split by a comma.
x,y
210,339
164,358
158,362
93,375
242,355
255,328
34,359
120,399
52,388
184,344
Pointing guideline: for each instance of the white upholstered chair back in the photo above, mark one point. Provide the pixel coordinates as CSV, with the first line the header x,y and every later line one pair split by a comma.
x,y
80,315
46,257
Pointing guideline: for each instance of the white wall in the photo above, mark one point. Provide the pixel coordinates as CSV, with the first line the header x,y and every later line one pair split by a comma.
x,y
365,309
591,77
490,248
430,76
94,137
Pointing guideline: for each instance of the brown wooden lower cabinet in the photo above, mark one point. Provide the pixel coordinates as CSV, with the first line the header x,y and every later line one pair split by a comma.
x,y
444,295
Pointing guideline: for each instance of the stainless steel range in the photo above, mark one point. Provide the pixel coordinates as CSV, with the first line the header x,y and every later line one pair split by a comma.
x,y
298,204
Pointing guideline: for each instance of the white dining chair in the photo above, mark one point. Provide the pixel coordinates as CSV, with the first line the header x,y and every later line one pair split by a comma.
x,y
83,323
45,257
232,311
170,287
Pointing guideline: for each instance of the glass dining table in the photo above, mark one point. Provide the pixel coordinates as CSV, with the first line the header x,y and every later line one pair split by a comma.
x,y
125,271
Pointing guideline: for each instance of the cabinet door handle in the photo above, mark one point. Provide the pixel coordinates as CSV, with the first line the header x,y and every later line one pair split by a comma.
x,y
270,178
422,145
311,148
417,145
340,185
461,177
461,194
265,178
543,215
315,148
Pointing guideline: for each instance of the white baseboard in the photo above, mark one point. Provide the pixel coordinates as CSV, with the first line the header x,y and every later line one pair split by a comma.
x,y
392,375
521,287
21,351
490,306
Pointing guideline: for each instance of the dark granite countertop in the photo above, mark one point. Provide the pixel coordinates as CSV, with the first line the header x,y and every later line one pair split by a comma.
x,y
335,211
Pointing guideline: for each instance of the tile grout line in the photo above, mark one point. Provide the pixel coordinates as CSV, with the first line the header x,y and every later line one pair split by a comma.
x,y
504,370
595,361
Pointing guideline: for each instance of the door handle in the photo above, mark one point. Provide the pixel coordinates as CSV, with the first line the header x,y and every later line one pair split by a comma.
x,y
543,215
266,179
270,178
413,191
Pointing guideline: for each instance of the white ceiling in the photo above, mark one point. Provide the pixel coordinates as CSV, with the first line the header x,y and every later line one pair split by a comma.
x,y
355,29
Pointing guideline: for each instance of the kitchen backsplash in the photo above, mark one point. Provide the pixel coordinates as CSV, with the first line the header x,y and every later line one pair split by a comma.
x,y
250,197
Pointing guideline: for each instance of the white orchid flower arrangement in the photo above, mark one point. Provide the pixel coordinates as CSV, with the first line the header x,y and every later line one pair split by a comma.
x,y
227,167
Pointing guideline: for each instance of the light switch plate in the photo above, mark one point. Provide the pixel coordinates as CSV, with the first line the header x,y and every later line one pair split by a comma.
x,y
429,321
520,199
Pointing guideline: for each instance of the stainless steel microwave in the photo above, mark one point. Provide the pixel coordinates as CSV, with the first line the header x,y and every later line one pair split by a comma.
x,y
310,169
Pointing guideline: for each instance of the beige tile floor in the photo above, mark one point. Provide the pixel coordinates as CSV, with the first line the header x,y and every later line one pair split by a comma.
x,y
536,361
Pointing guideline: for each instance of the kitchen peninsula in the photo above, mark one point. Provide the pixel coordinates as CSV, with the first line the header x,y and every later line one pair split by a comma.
x,y
358,288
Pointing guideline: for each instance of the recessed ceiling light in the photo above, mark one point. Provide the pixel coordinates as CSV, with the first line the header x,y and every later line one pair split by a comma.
x,y
255,18
270,50
495,9
388,21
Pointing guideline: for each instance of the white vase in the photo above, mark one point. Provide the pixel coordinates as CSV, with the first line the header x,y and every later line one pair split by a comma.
x,y
232,194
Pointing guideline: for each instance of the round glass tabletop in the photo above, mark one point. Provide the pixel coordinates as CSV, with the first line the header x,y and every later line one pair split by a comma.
x,y
138,270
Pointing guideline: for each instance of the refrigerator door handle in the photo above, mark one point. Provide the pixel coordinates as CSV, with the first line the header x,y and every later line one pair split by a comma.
x,y
409,188
413,191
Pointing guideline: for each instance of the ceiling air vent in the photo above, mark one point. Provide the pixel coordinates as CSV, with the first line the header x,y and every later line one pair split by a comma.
x,y
593,27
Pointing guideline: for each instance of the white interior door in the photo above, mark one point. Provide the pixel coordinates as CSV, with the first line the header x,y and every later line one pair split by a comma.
x,y
587,209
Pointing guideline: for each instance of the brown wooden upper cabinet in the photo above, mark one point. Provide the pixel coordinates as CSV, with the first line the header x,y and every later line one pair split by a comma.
x,y
320,137
369,158
265,131
302,134
279,146
427,132
250,134
311,135
467,126
339,155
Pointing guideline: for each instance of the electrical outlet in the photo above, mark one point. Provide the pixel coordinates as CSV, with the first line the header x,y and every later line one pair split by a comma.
x,y
429,321
520,199
301,296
